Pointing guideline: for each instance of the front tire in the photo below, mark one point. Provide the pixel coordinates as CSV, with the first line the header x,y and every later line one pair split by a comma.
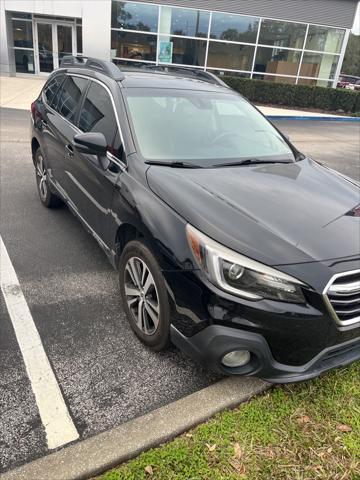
x,y
144,295
47,198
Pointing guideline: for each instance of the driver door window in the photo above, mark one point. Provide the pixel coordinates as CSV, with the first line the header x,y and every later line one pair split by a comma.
x,y
97,115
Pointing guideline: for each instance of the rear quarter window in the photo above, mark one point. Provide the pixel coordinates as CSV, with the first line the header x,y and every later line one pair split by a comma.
x,y
51,88
66,101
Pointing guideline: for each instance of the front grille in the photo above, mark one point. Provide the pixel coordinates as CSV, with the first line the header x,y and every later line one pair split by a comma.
x,y
343,297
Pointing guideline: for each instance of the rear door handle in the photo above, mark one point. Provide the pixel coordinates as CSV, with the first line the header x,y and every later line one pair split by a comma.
x,y
69,150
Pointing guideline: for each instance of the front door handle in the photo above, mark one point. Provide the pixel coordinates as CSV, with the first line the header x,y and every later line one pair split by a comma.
x,y
41,124
69,150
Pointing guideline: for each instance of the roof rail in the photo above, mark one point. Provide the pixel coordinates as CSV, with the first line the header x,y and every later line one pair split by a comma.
x,y
108,68
188,71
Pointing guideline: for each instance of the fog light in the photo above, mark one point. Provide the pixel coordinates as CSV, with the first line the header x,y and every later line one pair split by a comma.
x,y
237,358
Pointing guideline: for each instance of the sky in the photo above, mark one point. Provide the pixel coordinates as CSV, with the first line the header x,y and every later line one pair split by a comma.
x,y
356,27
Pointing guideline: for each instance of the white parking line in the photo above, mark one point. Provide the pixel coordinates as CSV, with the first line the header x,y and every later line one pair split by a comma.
x,y
54,414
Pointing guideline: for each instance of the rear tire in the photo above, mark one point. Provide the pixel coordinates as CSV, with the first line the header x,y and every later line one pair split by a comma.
x,y
144,295
47,198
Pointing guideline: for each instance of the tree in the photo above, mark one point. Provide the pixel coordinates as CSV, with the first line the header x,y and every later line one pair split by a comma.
x,y
351,65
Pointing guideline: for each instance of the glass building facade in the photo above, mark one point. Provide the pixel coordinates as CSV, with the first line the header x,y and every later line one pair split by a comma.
x,y
39,42
154,32
249,46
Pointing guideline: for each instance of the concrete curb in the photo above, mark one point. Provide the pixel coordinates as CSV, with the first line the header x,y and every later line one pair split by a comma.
x,y
316,119
97,454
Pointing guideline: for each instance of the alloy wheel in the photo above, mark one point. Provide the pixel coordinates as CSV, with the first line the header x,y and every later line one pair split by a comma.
x,y
141,295
41,177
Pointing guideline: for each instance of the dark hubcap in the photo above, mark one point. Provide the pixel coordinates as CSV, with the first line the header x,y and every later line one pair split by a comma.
x,y
141,295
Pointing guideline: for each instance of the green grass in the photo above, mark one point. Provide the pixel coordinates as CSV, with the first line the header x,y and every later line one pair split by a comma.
x,y
297,432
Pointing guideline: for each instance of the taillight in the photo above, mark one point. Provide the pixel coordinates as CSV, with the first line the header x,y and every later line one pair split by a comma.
x,y
33,110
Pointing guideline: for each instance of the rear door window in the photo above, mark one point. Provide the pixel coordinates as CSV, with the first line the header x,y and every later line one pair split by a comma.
x,y
67,100
52,87
97,115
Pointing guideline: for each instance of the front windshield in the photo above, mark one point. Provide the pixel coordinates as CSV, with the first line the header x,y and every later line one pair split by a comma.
x,y
202,128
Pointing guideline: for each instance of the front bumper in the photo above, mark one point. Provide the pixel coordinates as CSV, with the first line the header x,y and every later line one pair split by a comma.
x,y
296,334
212,343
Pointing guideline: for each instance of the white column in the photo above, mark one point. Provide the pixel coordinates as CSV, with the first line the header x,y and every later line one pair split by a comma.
x,y
96,24
341,59
7,58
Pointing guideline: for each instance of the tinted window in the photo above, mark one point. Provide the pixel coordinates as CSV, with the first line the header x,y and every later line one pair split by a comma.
x,y
97,115
230,56
22,34
134,16
137,46
324,39
52,87
68,97
319,65
79,38
181,21
282,34
276,60
187,51
234,27
24,60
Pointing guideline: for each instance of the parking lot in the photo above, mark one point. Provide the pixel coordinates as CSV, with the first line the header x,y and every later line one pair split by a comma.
x,y
105,375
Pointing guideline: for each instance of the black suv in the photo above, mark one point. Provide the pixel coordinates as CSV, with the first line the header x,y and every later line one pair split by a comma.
x,y
228,241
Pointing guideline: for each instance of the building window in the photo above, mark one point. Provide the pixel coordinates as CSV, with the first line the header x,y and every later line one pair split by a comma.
x,y
23,43
234,28
276,79
26,16
282,34
79,44
314,82
324,39
185,51
134,16
276,60
229,73
24,60
134,46
231,56
319,65
266,49
22,34
184,22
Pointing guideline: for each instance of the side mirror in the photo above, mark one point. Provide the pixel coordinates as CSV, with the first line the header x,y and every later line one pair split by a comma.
x,y
92,143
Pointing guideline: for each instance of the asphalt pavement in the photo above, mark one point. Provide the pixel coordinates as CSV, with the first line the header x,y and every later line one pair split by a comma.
x,y
105,375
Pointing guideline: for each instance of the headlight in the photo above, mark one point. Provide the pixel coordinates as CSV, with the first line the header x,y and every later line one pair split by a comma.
x,y
240,275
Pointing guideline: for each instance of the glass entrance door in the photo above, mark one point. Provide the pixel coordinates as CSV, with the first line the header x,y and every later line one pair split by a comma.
x,y
54,41
45,47
64,41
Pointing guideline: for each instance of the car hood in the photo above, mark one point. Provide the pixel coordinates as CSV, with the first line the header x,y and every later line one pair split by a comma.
x,y
278,214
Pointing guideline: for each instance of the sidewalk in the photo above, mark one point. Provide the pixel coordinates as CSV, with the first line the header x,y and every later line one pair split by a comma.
x,y
284,112
19,92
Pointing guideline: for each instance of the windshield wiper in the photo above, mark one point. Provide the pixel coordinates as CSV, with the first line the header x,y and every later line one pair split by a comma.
x,y
249,161
174,164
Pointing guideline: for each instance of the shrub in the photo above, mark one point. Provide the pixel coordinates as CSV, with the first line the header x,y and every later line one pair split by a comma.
x,y
304,96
